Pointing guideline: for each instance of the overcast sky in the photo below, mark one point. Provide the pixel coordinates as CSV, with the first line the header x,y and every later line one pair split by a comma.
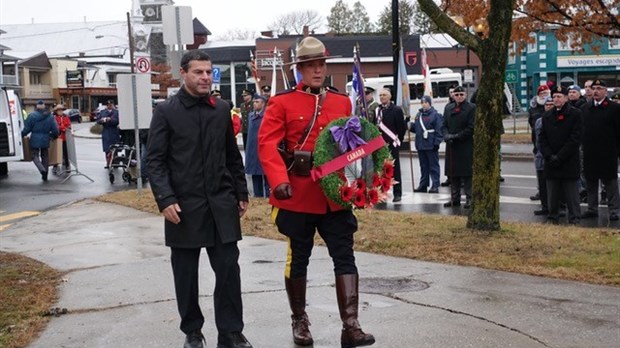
x,y
218,16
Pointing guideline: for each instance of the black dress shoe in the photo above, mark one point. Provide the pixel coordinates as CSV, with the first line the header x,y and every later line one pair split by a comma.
x,y
501,178
535,197
467,205
194,340
433,190
589,214
44,176
541,212
396,199
445,183
452,204
232,340
420,189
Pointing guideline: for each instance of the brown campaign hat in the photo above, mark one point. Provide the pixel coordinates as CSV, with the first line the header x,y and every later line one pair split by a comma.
x,y
309,49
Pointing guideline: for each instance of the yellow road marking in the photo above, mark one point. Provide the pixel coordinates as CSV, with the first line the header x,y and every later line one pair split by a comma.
x,y
2,227
21,214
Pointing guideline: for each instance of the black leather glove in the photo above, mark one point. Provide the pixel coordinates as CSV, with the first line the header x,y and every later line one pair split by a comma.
x,y
283,191
554,161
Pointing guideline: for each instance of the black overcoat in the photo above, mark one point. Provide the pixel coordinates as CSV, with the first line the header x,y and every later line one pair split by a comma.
x,y
392,117
459,120
193,160
561,136
601,139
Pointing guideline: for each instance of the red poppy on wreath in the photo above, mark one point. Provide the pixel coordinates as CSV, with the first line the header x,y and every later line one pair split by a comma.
x,y
604,103
376,180
359,199
388,169
360,184
386,184
373,196
346,193
560,117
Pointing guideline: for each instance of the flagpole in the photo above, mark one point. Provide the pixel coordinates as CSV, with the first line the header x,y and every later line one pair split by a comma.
x,y
287,84
406,103
273,72
254,73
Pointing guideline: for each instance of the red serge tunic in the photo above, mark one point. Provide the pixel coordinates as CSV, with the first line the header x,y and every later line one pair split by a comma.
x,y
286,117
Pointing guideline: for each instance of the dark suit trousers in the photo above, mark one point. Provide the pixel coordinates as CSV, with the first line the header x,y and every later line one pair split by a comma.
x,y
398,188
226,296
455,188
611,187
567,189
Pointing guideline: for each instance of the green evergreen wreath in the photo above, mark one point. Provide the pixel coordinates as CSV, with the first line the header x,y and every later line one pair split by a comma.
x,y
362,192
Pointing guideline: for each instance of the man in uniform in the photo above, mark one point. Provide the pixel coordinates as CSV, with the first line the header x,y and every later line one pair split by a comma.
x,y
246,108
299,205
601,139
391,121
559,141
371,104
266,91
458,133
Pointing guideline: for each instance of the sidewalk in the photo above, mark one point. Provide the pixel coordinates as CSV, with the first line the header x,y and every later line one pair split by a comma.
x,y
119,292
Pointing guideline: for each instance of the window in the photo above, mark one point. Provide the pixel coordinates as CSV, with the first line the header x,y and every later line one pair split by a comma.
x,y
566,45
112,80
75,102
614,44
533,45
35,78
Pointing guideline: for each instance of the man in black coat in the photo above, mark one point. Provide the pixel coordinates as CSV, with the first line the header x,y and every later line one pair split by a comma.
x,y
601,140
458,131
391,122
197,178
559,139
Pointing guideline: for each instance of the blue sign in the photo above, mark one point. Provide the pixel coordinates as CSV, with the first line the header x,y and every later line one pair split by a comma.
x,y
217,75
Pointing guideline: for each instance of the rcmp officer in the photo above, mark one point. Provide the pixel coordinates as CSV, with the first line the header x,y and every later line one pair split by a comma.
x,y
559,141
601,141
299,205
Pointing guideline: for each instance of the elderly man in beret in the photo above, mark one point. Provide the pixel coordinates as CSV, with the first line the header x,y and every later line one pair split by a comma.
x,y
300,207
559,140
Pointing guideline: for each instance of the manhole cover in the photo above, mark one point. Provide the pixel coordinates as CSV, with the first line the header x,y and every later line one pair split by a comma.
x,y
391,285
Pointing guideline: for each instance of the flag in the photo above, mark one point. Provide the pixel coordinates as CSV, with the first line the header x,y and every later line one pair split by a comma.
x,y
428,88
254,72
357,93
273,72
402,90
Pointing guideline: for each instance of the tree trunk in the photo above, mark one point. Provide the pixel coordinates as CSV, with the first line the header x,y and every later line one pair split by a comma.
x,y
493,53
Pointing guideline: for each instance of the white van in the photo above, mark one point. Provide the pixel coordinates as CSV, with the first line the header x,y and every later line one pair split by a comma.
x,y
441,80
11,125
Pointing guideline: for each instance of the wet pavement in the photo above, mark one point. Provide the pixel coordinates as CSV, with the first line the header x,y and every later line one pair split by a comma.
x,y
118,292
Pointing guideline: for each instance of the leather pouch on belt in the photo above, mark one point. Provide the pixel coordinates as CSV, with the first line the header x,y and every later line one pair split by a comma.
x,y
302,163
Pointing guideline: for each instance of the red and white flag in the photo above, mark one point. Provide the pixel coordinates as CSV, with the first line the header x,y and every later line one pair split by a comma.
x,y
428,88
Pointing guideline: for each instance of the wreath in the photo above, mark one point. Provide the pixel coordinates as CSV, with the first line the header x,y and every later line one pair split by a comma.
x,y
350,188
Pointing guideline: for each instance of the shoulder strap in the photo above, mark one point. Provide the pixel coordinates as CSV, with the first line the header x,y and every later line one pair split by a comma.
x,y
317,111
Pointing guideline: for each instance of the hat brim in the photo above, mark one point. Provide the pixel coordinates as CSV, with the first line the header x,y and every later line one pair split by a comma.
x,y
310,59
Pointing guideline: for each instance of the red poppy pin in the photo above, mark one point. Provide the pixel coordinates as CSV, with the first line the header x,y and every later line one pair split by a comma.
x,y
560,117
605,103
457,110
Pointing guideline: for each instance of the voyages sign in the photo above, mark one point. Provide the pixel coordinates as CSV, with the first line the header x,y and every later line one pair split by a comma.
x,y
593,61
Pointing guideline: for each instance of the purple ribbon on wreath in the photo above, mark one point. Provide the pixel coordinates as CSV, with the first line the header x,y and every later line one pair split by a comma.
x,y
346,136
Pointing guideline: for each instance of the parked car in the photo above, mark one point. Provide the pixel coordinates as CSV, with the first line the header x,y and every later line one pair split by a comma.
x,y
74,115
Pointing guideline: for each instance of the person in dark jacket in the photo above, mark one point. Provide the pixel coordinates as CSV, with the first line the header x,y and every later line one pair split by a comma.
x,y
458,132
601,139
559,139
575,98
391,121
427,127
197,178
252,165
108,117
246,108
535,111
43,127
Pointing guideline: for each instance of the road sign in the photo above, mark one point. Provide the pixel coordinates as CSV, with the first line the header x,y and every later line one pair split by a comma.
x,y
178,25
468,75
511,76
217,75
143,65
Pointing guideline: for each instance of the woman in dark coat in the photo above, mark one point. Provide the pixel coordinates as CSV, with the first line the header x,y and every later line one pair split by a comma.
x,y
458,132
111,135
